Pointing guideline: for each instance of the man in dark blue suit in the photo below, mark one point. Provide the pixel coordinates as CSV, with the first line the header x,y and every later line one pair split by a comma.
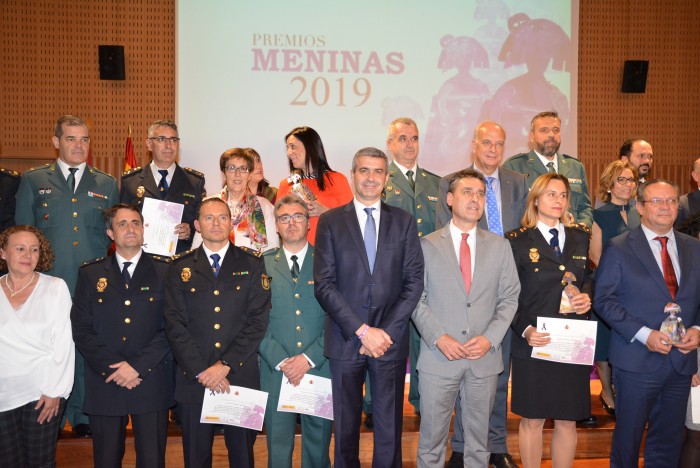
x,y
640,273
368,273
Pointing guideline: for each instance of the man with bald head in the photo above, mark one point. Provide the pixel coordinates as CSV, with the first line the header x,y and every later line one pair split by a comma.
x,y
638,153
506,194
689,203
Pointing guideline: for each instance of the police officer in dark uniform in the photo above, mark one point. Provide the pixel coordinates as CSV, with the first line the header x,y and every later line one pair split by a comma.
x,y
216,314
65,200
117,320
165,179
9,183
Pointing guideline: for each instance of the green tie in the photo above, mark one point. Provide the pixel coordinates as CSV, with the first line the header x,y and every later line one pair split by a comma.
x,y
71,178
550,167
409,176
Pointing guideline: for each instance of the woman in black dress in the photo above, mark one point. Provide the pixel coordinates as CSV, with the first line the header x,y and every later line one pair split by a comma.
x,y
545,248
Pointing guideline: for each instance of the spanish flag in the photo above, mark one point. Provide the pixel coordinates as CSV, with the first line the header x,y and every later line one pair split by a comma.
x,y
129,154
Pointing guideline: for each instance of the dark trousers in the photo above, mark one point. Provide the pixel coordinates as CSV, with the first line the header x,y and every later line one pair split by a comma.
x,y
659,397
25,442
388,379
150,436
198,438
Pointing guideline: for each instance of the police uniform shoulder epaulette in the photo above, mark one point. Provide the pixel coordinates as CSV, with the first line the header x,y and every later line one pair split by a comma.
x,y
159,258
569,157
516,232
425,172
131,171
10,172
249,251
94,169
182,254
90,262
33,169
193,172
519,156
581,227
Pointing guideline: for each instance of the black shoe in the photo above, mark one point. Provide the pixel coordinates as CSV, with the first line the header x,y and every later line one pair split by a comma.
x,y
369,423
608,409
82,430
456,460
590,421
502,460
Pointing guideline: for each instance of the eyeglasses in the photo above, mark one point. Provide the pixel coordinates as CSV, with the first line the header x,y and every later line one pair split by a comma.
x,y
163,139
298,218
233,169
626,181
662,201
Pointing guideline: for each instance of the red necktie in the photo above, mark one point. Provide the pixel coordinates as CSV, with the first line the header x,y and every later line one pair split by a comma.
x,y
465,262
669,272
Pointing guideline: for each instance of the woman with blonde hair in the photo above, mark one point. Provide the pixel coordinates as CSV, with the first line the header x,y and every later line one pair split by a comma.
x,y
545,249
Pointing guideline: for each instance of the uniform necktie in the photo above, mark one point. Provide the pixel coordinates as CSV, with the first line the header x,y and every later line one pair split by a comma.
x,y
667,264
492,214
465,262
370,238
163,184
125,273
409,176
71,178
554,241
295,268
215,267
550,167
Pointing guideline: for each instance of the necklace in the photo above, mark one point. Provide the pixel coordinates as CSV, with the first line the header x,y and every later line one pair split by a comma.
x,y
14,293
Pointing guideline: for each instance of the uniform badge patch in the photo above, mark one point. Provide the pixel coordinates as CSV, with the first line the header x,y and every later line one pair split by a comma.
x,y
266,280
101,284
534,255
140,190
185,275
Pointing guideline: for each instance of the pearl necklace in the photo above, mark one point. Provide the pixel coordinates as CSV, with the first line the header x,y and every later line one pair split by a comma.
x,y
14,293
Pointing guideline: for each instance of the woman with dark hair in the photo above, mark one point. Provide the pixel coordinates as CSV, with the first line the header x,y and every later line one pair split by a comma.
x,y
36,345
618,185
311,177
258,184
545,249
253,217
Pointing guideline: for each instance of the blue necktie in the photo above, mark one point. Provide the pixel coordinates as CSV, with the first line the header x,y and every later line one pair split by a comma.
x,y
370,238
492,215
554,241
163,185
125,273
215,263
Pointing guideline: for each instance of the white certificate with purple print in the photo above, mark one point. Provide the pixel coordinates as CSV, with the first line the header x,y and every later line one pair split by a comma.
x,y
243,407
159,220
573,341
313,396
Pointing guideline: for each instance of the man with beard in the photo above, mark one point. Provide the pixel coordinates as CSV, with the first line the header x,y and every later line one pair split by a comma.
x,y
638,153
545,139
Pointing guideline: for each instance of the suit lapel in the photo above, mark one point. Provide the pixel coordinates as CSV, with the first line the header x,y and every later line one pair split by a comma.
x,y
281,269
87,181
448,252
535,165
640,247
306,274
177,185
353,229
385,220
684,254
203,266
149,183
506,197
143,272
544,248
114,274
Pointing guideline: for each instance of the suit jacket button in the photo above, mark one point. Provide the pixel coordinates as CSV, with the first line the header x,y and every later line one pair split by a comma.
x,y
298,312
216,326
76,243
217,309
297,295
238,288
216,292
298,327
127,320
127,302
192,290
150,299
464,332
123,338
217,344
75,214
419,206
419,220
74,199
298,344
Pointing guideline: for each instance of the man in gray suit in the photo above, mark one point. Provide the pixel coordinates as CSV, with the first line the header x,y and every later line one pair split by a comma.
x,y
469,300
506,194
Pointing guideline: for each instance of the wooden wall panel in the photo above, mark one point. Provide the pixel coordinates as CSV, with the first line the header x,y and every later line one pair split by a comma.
x,y
50,67
665,33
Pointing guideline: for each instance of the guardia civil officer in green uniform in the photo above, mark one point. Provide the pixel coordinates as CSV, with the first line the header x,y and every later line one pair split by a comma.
x,y
293,344
165,179
545,139
65,199
415,190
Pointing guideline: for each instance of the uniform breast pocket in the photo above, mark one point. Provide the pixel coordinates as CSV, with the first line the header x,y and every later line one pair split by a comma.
x,y
51,211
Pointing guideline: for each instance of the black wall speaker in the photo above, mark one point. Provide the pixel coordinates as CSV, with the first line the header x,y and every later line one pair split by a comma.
x,y
634,78
112,62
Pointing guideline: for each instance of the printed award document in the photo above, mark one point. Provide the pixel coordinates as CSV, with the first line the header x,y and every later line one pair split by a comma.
x,y
159,220
573,341
313,396
243,407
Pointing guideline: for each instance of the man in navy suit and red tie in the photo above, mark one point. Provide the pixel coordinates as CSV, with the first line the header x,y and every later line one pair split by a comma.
x,y
641,272
368,273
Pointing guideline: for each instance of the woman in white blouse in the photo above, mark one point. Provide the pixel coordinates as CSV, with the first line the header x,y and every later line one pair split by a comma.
x,y
253,216
36,349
